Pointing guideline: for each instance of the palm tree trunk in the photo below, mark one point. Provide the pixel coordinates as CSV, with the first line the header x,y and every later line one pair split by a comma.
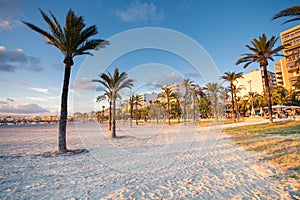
x,y
113,119
62,144
184,110
109,116
215,112
194,117
232,103
267,86
169,113
131,118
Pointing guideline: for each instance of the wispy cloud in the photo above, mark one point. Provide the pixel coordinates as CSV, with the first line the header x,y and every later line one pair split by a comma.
x,y
141,12
9,10
42,98
6,100
85,84
42,90
168,79
13,60
192,74
9,24
23,109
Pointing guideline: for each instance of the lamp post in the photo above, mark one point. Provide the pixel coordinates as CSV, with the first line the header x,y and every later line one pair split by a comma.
x,y
252,104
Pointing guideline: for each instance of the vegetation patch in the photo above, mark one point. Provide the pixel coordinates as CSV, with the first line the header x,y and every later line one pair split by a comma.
x,y
280,143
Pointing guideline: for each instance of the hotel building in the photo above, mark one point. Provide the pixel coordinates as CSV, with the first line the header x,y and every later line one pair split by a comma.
x,y
254,82
287,69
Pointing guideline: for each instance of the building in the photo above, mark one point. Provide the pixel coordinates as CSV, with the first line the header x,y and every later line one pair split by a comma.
x,y
254,82
287,69
147,98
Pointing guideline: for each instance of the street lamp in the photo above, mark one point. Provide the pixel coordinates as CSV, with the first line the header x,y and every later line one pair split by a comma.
x,y
252,104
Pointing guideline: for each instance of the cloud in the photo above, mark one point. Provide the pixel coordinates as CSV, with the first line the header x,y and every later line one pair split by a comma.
x,y
192,74
9,24
6,101
42,90
23,109
168,79
9,10
13,60
141,12
42,98
3,80
85,84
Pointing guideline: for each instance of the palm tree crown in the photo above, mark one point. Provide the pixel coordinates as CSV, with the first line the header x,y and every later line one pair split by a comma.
x,y
262,51
72,39
293,11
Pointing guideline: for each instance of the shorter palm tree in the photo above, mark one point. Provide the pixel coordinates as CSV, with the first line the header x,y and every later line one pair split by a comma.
x,y
167,94
113,84
137,99
187,84
231,77
214,89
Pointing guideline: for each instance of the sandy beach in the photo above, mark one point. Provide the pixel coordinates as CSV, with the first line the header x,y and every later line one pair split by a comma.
x,y
144,162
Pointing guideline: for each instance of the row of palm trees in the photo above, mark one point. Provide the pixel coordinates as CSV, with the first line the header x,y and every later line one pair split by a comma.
x,y
75,39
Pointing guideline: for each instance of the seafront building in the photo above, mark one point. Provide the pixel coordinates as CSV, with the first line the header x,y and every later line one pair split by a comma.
x,y
287,69
254,82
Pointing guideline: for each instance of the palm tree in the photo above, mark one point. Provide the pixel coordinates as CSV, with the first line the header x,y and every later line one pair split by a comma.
x,y
231,77
131,104
196,91
107,96
235,90
102,98
262,51
293,11
114,83
137,99
186,83
72,40
214,89
168,94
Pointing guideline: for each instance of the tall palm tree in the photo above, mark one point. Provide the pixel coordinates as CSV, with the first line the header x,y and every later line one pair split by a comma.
x,y
231,77
72,40
262,51
168,94
186,83
214,89
293,11
114,83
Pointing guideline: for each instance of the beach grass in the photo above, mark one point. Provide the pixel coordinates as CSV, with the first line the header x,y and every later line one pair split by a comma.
x,y
279,142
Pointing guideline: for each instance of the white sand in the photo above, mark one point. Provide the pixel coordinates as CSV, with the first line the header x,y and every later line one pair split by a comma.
x,y
147,162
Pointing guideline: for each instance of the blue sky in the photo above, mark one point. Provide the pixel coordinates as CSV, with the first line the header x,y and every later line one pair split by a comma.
x,y
31,71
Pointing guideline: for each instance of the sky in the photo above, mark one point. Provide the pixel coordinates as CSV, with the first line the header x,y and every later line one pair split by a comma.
x,y
155,42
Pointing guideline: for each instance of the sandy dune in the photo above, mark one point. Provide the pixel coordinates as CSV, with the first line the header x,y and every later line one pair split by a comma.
x,y
145,162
